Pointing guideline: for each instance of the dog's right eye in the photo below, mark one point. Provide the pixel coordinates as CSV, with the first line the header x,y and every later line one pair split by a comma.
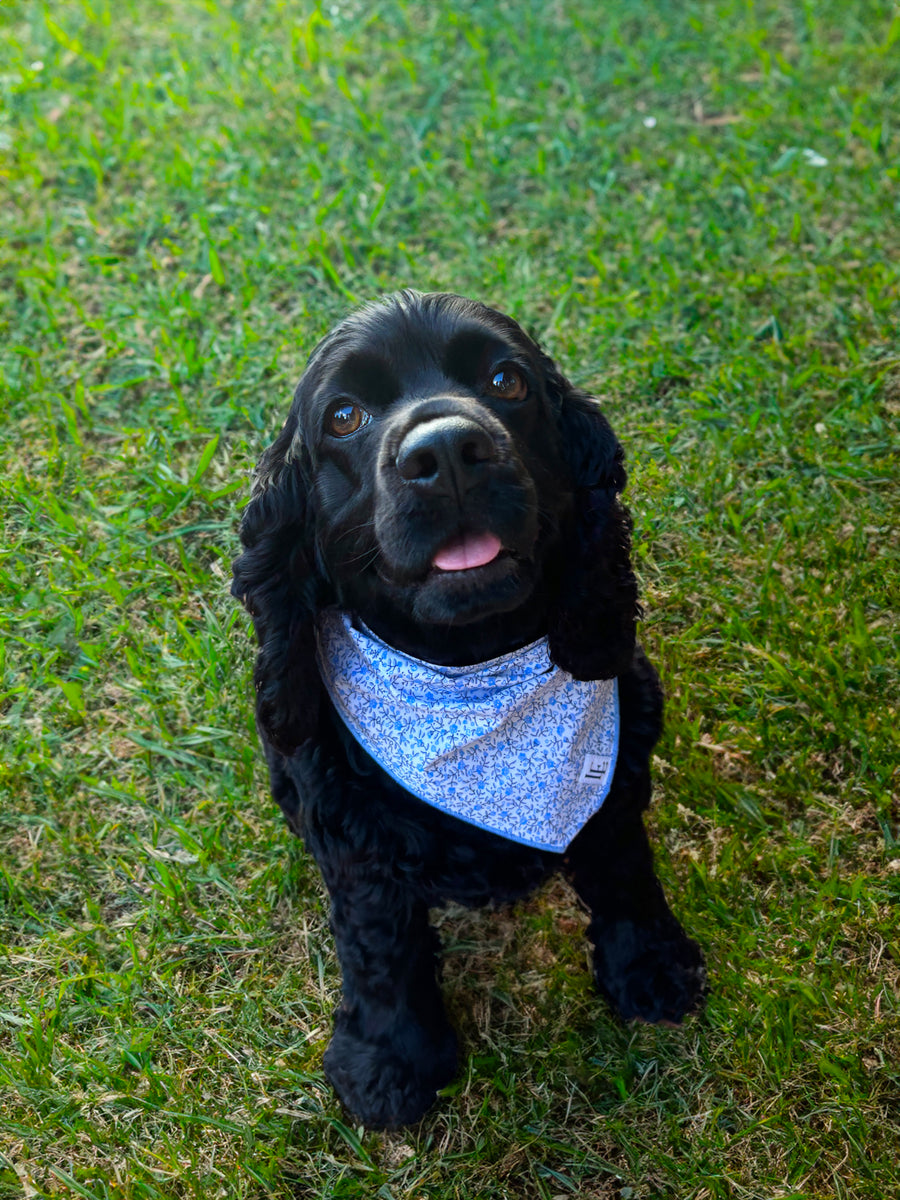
x,y
346,418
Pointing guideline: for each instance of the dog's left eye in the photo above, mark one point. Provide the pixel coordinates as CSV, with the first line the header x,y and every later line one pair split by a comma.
x,y
346,418
509,383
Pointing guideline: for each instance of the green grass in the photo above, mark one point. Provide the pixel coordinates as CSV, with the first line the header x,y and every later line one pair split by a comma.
x,y
192,192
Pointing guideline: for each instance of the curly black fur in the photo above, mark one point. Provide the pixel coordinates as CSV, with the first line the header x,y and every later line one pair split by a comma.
x,y
311,538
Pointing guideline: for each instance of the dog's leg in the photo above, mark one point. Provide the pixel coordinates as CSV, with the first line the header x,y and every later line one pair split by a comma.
x,y
392,1047
644,963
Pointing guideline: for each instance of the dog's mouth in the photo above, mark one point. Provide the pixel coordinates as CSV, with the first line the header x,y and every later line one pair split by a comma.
x,y
468,551
468,576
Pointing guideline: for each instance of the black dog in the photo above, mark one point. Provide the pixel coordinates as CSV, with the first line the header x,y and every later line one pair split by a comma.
x,y
440,484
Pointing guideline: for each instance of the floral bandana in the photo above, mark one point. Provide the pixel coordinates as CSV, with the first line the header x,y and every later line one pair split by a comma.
x,y
514,745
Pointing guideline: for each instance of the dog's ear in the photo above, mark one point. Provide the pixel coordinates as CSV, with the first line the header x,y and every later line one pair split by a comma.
x,y
593,620
277,581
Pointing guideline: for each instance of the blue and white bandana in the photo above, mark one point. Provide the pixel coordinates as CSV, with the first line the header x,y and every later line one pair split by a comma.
x,y
514,745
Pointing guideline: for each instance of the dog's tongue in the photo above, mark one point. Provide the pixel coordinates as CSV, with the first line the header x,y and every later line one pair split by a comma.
x,y
471,550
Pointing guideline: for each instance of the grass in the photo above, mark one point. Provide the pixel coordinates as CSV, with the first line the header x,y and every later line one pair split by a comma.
x,y
192,193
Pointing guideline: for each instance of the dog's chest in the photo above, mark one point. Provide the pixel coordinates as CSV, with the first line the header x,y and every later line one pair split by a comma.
x,y
515,745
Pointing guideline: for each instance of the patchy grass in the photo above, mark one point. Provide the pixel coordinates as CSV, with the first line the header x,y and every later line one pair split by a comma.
x,y
695,207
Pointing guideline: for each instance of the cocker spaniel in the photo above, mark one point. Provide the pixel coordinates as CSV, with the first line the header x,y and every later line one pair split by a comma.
x,y
449,692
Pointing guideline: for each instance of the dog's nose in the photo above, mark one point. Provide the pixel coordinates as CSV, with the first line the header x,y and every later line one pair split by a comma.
x,y
445,454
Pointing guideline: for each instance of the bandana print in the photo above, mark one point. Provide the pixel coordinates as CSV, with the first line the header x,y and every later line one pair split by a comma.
x,y
514,745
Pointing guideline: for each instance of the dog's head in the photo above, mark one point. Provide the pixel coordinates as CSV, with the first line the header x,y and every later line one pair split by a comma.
x,y
438,477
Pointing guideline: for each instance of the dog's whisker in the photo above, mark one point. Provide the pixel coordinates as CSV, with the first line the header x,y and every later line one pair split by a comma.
x,y
369,524
366,557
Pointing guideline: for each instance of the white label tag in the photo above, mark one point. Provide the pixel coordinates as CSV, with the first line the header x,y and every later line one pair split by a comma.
x,y
595,769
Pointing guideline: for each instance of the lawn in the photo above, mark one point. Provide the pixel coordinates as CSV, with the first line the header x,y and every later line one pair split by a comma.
x,y
695,206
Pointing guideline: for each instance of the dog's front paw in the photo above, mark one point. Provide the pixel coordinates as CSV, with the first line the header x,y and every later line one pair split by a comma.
x,y
391,1080
648,972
